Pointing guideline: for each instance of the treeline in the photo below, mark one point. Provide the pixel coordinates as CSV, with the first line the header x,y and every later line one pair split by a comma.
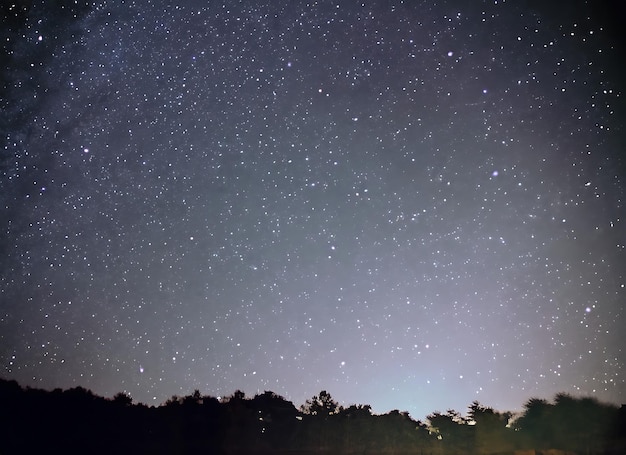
x,y
76,420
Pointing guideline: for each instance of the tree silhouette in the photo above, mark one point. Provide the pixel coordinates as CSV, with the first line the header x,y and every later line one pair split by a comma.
x,y
534,425
242,426
355,424
491,434
452,431
277,420
318,432
322,405
122,399
77,421
580,423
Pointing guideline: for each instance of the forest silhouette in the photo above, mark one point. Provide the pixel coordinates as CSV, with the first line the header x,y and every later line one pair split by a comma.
x,y
78,421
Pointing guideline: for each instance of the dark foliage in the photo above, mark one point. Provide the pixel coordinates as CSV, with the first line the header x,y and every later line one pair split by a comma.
x,y
77,421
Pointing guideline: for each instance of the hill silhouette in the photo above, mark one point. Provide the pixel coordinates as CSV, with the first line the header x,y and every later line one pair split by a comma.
x,y
78,421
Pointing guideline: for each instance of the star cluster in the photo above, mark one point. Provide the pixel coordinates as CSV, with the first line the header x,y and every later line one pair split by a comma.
x,y
409,204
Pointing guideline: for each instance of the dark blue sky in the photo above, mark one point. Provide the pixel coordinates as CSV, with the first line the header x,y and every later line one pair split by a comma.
x,y
412,205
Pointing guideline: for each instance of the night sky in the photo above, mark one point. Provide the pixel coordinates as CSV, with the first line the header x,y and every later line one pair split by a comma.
x,y
412,205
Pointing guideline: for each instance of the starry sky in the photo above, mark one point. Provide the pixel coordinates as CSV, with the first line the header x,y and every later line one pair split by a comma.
x,y
412,205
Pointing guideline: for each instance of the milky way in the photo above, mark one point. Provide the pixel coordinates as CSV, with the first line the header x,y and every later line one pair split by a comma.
x,y
412,205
